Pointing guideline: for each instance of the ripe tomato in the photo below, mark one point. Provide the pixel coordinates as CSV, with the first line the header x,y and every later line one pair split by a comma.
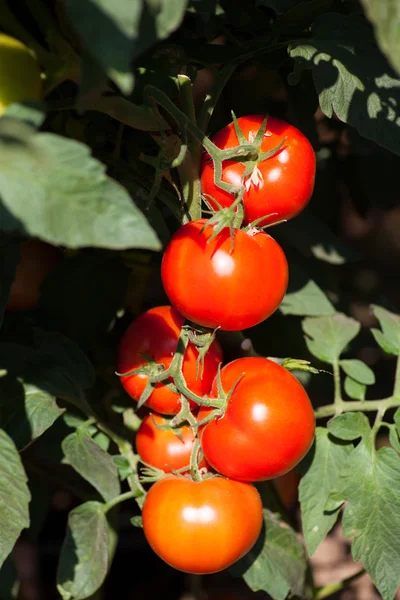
x,y
214,286
282,184
201,527
268,426
37,259
154,334
19,73
163,448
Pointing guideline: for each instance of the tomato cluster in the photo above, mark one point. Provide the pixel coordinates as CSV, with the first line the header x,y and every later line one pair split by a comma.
x,y
214,429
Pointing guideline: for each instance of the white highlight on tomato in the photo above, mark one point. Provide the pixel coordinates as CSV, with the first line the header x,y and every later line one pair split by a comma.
x,y
274,174
202,514
259,412
223,263
283,156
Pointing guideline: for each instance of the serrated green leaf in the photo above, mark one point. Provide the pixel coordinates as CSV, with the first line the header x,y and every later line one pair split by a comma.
x,y
309,300
137,521
123,466
102,440
84,559
51,362
372,514
327,337
25,410
117,32
353,79
14,496
67,187
277,563
322,467
389,337
354,389
386,18
358,370
92,463
349,426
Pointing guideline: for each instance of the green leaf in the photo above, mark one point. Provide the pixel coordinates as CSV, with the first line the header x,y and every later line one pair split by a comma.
x,y
307,299
322,469
123,466
358,370
14,496
70,295
327,337
277,563
84,560
353,79
354,389
389,337
396,420
372,514
92,463
25,410
51,362
349,426
386,18
117,32
67,187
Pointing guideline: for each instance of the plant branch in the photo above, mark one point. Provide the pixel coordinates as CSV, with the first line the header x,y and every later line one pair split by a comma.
x,y
119,499
381,405
332,588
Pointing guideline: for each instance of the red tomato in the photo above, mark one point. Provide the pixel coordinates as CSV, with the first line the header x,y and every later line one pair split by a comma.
x,y
282,184
215,286
163,448
37,259
154,334
201,527
268,426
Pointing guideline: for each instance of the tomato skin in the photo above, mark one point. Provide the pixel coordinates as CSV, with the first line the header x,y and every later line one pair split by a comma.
x,y
201,527
155,333
162,448
215,287
287,178
19,73
268,426
37,259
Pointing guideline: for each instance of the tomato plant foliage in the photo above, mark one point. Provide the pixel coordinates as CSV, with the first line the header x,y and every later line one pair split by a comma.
x,y
102,145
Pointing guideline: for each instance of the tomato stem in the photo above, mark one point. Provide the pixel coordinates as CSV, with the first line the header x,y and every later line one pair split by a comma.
x,y
121,498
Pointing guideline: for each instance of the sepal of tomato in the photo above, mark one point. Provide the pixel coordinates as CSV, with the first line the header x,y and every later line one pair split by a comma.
x,y
163,448
154,336
201,527
279,186
216,285
268,425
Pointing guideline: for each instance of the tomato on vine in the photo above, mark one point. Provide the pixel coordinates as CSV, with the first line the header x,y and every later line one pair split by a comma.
x,y
268,426
279,186
20,75
201,527
216,285
153,338
166,449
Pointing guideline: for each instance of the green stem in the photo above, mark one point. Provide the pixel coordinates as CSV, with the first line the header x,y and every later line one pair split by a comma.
x,y
186,95
381,405
396,389
336,381
332,588
119,499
